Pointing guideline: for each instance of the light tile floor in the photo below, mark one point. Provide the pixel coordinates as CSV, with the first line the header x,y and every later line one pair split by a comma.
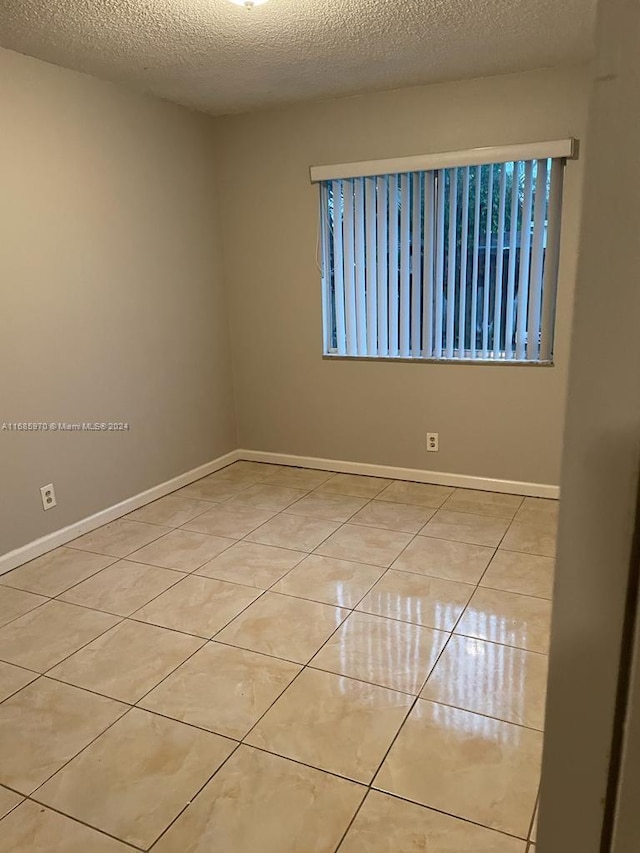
x,y
281,660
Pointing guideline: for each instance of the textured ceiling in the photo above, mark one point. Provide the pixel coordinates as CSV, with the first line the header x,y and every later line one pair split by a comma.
x,y
221,58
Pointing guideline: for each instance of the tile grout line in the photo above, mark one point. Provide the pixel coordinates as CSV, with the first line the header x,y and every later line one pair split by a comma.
x,y
393,741
318,488
353,610
509,494
29,798
113,559
120,622
127,517
313,552
183,573
210,505
73,547
384,573
127,710
309,665
180,576
299,550
33,610
13,808
242,741
532,821
305,667
66,657
385,570
37,675
276,755
128,557
406,717
193,797
415,702
265,482
353,819
281,694
129,707
427,808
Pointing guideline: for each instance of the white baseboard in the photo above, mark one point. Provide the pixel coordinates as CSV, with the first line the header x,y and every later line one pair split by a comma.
x,y
438,478
66,534
60,537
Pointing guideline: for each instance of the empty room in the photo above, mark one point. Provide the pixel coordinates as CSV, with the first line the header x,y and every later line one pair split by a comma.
x,y
310,313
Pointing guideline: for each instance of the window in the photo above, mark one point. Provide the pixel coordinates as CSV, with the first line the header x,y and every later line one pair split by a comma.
x,y
454,260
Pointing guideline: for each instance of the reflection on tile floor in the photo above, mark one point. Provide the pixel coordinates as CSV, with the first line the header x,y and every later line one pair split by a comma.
x,y
281,660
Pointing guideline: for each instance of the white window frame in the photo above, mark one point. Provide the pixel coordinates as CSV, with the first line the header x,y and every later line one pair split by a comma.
x,y
366,286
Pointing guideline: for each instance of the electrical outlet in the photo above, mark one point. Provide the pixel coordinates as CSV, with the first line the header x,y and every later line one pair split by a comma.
x,y
48,496
432,442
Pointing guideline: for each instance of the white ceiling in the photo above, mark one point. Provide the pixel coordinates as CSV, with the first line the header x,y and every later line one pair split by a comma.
x,y
221,58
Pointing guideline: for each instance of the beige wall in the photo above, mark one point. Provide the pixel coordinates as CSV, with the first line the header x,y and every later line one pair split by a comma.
x,y
111,299
503,422
112,306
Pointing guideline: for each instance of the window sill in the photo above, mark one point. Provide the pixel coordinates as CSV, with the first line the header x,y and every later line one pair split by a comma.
x,y
476,362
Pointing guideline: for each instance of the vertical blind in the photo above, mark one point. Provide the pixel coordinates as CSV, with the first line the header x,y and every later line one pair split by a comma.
x,y
451,263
